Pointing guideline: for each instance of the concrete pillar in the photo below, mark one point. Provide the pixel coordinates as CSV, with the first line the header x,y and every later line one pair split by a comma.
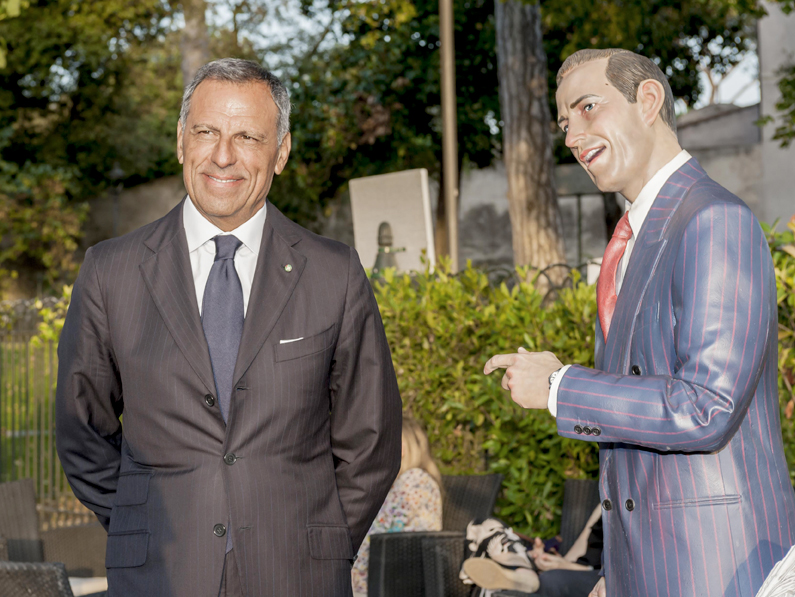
x,y
776,49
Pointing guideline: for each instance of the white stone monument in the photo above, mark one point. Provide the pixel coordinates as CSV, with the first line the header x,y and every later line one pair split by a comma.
x,y
403,200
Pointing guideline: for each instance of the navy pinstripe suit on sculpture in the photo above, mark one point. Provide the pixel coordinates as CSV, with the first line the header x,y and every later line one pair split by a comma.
x,y
684,403
312,440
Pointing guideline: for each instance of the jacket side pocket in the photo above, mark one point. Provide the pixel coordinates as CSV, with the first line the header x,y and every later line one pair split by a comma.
x,y
329,542
126,550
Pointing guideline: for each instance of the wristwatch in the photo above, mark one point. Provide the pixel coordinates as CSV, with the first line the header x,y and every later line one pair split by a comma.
x,y
553,376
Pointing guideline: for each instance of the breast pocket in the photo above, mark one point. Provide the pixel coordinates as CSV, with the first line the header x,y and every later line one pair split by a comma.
x,y
305,347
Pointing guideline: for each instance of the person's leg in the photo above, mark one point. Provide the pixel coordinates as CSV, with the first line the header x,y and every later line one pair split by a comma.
x,y
567,583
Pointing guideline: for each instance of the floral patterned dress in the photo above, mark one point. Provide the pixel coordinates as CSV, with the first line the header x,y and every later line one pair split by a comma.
x,y
414,503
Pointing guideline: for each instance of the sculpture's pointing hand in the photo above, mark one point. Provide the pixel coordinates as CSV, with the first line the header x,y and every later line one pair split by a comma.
x,y
526,375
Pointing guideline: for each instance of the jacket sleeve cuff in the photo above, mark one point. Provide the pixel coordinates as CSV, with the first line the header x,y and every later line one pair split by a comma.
x,y
552,405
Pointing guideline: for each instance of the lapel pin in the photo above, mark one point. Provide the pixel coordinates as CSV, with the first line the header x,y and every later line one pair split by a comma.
x,y
288,268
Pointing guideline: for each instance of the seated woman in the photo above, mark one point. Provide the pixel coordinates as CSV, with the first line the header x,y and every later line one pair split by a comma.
x,y
577,572
414,502
503,560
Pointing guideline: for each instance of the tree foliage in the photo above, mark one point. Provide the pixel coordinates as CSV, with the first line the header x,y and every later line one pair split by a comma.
x,y
39,227
371,102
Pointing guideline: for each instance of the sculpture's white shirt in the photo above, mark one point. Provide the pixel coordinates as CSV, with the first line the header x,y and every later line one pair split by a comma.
x,y
638,212
201,248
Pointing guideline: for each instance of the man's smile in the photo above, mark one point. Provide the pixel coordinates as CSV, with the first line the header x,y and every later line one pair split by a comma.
x,y
223,180
588,156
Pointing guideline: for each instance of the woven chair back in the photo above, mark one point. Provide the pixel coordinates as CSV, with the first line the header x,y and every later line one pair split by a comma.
x,y
580,497
466,497
19,522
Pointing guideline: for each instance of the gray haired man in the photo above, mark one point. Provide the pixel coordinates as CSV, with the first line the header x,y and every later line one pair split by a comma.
x,y
261,411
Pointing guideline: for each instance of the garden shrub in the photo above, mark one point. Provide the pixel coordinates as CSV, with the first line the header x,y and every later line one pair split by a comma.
x,y
443,328
782,246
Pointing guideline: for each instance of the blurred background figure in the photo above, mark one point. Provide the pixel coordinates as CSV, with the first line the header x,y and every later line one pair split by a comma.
x,y
414,502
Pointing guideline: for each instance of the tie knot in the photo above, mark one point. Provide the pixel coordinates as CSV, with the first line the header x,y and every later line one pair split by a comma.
x,y
623,229
225,246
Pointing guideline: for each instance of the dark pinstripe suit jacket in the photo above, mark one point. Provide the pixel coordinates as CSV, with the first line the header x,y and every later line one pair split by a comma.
x,y
314,425
684,403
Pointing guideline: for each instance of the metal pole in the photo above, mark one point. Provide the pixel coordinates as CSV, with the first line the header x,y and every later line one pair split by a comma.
x,y
449,128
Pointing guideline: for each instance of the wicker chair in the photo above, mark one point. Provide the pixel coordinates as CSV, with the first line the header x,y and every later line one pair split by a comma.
x,y
23,579
81,548
19,521
426,564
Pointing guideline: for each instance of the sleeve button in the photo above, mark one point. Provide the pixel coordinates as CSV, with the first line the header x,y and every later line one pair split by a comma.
x,y
587,430
577,429
596,431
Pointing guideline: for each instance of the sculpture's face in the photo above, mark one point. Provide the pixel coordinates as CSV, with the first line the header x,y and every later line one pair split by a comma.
x,y
606,133
229,150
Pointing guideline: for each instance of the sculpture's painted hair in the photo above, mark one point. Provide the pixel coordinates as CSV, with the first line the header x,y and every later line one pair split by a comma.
x,y
626,71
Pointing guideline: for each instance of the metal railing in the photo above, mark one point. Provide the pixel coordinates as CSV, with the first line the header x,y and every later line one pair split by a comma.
x,y
28,373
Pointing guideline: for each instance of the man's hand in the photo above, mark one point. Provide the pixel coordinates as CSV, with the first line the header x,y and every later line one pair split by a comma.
x,y
551,561
538,548
526,375
599,590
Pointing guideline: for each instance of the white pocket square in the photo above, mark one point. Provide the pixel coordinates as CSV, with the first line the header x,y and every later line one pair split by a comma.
x,y
288,341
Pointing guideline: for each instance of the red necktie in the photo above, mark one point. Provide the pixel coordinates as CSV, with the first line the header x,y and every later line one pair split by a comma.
x,y
606,285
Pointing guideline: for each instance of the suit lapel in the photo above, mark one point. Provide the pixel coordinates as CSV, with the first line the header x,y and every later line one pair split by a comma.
x,y
169,278
272,286
643,263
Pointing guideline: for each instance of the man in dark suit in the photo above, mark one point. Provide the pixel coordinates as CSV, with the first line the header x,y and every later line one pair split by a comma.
x,y
261,411
683,401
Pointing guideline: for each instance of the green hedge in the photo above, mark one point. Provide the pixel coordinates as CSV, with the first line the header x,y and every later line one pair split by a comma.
x,y
443,328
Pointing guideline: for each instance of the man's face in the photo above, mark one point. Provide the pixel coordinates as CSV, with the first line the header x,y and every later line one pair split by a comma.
x,y
229,150
604,131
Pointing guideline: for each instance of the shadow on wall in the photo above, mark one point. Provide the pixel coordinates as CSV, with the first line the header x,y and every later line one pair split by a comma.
x,y
485,237
111,216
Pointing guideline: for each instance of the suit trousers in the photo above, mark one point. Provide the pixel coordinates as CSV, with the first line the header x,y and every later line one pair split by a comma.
x,y
230,578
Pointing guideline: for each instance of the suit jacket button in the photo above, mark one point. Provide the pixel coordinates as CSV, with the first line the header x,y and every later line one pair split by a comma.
x,y
219,530
586,430
630,504
607,505
596,431
230,458
635,370
577,429
209,400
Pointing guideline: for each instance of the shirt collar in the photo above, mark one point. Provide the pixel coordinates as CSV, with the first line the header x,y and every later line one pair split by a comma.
x,y
199,229
639,209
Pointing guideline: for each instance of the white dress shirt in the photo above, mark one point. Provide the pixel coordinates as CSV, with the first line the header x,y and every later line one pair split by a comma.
x,y
201,247
638,212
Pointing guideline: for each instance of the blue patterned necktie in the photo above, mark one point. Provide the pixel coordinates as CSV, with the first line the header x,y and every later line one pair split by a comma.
x,y
222,317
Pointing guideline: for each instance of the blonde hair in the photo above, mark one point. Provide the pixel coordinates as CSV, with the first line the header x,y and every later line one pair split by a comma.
x,y
417,450
626,71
